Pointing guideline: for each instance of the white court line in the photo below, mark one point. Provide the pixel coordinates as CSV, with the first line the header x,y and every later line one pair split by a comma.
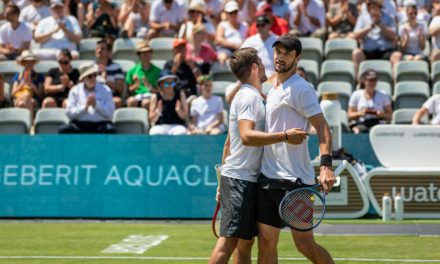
x,y
205,258
136,244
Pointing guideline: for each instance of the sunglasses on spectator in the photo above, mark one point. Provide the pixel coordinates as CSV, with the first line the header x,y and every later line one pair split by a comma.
x,y
233,13
91,76
65,62
169,84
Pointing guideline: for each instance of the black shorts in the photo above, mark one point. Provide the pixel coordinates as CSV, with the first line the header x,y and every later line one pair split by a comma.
x,y
238,204
378,54
269,198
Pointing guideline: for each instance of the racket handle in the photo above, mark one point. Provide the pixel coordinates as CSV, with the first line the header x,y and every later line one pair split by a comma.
x,y
218,171
338,171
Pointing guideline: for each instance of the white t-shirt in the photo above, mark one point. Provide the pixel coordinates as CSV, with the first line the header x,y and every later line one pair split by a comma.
x,y
30,14
160,14
58,40
378,102
245,161
206,110
233,35
15,37
290,106
433,106
413,42
315,9
435,22
265,50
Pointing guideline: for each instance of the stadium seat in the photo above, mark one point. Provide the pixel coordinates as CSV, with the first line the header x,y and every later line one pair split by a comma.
x,y
345,128
8,69
49,120
339,49
405,116
382,67
162,48
15,120
412,71
343,90
43,67
131,120
435,71
125,49
338,70
222,72
312,71
87,47
410,94
159,63
219,88
436,88
7,93
77,63
312,49
126,65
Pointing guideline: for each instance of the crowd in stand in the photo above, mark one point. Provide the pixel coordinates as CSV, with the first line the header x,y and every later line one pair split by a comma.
x,y
178,96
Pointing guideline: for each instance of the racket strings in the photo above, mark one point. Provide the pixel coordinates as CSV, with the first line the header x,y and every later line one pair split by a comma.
x,y
302,209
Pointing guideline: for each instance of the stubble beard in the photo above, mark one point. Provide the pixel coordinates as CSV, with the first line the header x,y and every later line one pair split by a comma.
x,y
286,68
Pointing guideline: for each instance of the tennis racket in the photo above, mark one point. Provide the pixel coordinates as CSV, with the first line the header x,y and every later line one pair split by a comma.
x,y
304,208
217,212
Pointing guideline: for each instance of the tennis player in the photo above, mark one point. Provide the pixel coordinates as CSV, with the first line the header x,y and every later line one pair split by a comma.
x,y
291,103
243,152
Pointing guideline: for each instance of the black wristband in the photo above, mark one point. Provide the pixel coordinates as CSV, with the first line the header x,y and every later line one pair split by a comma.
x,y
326,160
285,133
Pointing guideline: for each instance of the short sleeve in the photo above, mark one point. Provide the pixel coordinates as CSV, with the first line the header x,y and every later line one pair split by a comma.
x,y
247,108
220,106
309,103
430,104
354,100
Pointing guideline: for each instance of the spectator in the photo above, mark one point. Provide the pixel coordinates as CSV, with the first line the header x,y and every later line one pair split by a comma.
x,y
368,106
214,10
59,81
412,36
78,9
168,108
133,18
230,33
207,110
27,84
57,32
34,13
423,7
432,107
376,31
14,35
185,69
341,18
434,33
2,91
110,72
307,18
21,3
101,20
90,106
200,52
263,42
196,14
387,6
280,8
165,18
279,26
246,11
141,79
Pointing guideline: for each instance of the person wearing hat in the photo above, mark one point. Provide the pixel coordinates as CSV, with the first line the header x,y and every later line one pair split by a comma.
x,y
15,36
278,25
90,104
263,42
199,51
57,32
27,84
368,106
292,102
196,14
307,18
142,78
168,108
166,16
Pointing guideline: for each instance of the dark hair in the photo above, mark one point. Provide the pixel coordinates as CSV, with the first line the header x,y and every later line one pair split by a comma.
x,y
14,8
66,53
289,42
103,41
241,61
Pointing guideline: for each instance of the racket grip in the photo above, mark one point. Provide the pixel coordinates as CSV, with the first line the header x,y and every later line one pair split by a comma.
x,y
218,171
341,167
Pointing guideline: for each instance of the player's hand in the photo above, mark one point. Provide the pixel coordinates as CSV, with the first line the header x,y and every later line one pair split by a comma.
x,y
326,178
217,195
296,136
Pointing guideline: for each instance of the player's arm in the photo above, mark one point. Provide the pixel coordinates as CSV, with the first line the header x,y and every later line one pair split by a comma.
x,y
226,149
325,148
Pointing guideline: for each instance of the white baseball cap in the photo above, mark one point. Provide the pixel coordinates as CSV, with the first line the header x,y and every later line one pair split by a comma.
x,y
231,6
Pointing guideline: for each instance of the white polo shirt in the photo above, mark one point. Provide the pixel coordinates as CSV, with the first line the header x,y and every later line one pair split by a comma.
x,y
245,161
290,106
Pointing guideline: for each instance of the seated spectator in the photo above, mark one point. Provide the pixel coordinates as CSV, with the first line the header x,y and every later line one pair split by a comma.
x,y
27,84
280,8
207,110
387,6
263,42
59,81
34,13
133,18
165,18
2,91
110,72
434,33
141,79
376,31
14,35
196,15
432,107
168,108
412,36
21,3
184,68
279,26
423,8
230,33
307,18
214,9
200,52
57,32
101,20
90,106
341,18
78,9
368,106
